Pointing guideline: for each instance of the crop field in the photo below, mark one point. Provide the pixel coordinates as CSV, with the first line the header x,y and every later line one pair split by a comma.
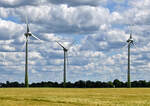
x,y
74,97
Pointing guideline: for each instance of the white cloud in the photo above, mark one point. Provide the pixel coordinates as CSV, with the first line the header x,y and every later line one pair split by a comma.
x,y
9,29
8,48
61,18
116,17
140,3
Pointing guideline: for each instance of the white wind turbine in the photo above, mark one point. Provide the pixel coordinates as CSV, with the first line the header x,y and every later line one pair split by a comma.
x,y
65,56
27,35
129,41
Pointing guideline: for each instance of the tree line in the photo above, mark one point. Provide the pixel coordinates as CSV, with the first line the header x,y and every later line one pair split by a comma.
x,y
80,84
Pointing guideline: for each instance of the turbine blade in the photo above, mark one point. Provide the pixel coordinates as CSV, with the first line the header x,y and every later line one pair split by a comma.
x,y
36,37
134,45
67,60
24,44
131,35
130,27
4,56
27,24
91,44
123,47
71,44
61,45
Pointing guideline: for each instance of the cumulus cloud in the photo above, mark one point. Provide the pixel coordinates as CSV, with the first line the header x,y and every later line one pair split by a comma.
x,y
18,3
9,29
79,2
61,18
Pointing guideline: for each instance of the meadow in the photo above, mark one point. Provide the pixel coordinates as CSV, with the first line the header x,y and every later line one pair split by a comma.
x,y
74,97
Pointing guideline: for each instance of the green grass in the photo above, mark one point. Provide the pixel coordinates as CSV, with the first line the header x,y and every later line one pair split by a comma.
x,y
74,97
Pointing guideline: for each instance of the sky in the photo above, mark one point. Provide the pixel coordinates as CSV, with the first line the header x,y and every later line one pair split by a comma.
x,y
100,29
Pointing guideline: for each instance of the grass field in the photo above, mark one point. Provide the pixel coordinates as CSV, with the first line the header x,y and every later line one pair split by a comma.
x,y
74,97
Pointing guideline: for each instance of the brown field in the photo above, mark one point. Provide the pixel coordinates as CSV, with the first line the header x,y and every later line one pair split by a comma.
x,y
74,97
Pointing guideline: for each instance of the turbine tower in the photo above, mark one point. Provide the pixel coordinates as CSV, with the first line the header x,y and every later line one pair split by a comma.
x,y
65,55
129,41
27,35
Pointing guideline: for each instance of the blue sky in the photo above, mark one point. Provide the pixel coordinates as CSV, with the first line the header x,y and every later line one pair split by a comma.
x,y
100,29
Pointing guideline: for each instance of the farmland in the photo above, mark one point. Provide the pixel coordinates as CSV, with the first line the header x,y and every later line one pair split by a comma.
x,y
74,97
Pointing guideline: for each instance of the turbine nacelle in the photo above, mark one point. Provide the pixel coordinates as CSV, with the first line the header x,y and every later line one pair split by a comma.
x,y
28,34
65,49
130,40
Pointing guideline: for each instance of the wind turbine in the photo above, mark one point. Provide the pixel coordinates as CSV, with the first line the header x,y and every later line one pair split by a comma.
x,y
129,41
27,35
65,55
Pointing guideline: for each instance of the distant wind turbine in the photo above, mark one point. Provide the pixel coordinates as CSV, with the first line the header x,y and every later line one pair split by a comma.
x,y
27,35
129,41
65,55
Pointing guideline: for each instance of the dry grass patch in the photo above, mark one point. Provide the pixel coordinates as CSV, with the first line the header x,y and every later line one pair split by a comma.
x,y
74,97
